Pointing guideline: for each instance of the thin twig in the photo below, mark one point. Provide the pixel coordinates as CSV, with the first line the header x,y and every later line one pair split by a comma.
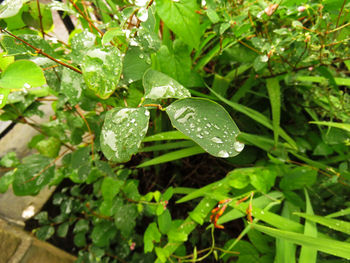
x,y
341,11
48,166
86,17
81,114
40,19
39,51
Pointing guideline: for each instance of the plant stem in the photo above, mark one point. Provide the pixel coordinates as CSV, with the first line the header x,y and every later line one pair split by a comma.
x,y
86,17
40,19
39,51
81,114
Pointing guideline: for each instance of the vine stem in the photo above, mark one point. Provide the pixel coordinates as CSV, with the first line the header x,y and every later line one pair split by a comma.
x,y
39,51
86,17
40,19
81,114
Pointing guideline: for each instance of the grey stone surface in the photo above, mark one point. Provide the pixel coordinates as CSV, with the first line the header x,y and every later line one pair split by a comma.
x,y
17,246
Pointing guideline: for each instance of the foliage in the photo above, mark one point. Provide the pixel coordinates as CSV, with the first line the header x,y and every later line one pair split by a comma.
x,y
142,87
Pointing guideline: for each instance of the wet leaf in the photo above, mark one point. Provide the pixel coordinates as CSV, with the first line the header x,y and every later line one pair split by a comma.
x,y
123,131
160,86
208,124
22,74
32,175
102,68
10,8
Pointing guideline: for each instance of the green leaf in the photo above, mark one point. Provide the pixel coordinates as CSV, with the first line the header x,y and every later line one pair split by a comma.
x,y
49,147
151,235
273,88
110,188
72,85
164,222
22,74
160,86
326,245
136,62
169,135
182,19
208,124
125,218
32,175
331,223
62,230
307,254
102,233
45,232
10,8
343,126
342,212
5,181
80,239
257,116
81,226
3,96
122,132
102,68
175,235
9,160
263,180
298,178
171,156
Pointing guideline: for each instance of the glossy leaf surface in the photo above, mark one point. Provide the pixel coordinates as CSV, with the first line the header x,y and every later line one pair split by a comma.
x,y
160,86
102,68
22,74
123,131
208,124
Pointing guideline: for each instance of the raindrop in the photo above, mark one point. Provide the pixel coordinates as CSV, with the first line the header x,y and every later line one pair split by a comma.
x,y
141,56
216,140
238,146
223,154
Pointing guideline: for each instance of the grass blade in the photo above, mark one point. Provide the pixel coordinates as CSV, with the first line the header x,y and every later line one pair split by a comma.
x,y
273,89
339,225
343,126
338,81
343,212
326,245
257,116
169,135
173,156
308,254
167,146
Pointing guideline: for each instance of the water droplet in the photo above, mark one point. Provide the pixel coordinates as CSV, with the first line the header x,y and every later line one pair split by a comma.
x,y
223,154
216,140
141,56
200,136
238,146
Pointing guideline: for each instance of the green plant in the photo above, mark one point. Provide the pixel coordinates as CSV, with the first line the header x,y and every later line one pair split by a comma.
x,y
132,72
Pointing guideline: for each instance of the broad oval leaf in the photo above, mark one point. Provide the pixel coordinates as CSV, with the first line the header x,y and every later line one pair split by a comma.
x,y
122,132
182,19
160,86
10,8
102,68
208,124
32,175
22,74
